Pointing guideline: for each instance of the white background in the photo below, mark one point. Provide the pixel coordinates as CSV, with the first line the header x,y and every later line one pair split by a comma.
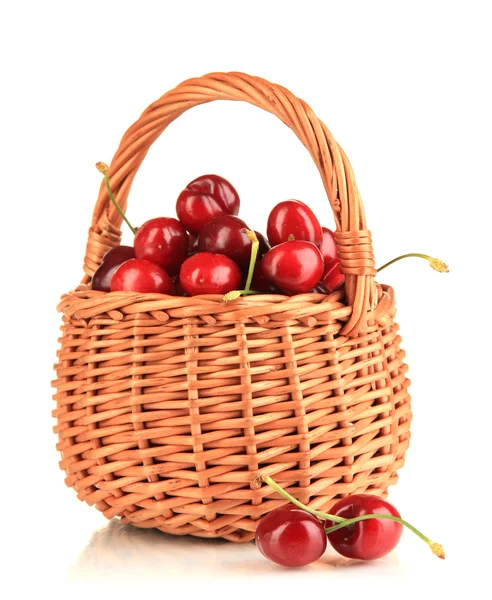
x,y
405,89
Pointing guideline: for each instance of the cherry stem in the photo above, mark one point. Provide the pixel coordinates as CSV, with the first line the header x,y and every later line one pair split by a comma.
x,y
287,496
379,516
255,244
435,263
104,169
235,294
437,549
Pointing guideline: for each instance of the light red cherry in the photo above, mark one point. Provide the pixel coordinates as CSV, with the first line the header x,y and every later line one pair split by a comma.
x,y
328,248
332,278
163,241
137,275
294,267
369,539
293,219
207,273
291,537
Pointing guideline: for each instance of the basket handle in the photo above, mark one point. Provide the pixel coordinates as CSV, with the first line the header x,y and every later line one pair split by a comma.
x,y
353,238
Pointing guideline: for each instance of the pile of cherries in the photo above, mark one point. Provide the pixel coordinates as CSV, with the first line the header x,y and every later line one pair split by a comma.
x,y
360,526
208,249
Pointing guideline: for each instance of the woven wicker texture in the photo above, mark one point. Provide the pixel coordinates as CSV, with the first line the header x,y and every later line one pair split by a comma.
x,y
168,407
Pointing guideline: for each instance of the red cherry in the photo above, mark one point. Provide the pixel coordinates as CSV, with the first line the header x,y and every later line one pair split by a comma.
x,y
369,539
332,277
224,235
293,218
220,189
207,273
136,275
329,248
260,283
294,267
264,246
195,210
163,241
291,537
205,198
192,244
101,280
180,291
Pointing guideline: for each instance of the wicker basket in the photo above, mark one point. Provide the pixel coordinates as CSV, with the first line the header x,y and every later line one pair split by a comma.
x,y
168,407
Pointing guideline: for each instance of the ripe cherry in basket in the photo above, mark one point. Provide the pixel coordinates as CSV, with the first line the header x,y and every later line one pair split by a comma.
x,y
203,199
192,244
260,283
163,241
101,280
369,539
328,248
136,275
294,267
293,218
207,273
332,277
264,244
226,235
291,537
218,187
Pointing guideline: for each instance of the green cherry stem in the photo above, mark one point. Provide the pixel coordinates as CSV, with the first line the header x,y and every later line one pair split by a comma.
x,y
437,549
321,515
255,244
104,169
435,263
235,294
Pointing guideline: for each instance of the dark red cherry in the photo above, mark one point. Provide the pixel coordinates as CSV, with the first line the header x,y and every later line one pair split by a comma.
x,y
264,246
291,537
332,277
293,218
163,241
142,276
225,235
180,291
329,249
369,539
294,267
218,187
101,280
319,288
260,283
205,198
192,244
207,273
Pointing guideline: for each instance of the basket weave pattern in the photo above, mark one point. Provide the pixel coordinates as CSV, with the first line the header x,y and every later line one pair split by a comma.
x,y
168,407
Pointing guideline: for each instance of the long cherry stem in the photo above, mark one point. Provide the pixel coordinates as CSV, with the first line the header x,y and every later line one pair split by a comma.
x,y
435,263
255,244
104,169
437,549
298,503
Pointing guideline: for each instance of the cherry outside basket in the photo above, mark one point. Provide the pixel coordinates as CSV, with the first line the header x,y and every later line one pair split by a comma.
x,y
168,407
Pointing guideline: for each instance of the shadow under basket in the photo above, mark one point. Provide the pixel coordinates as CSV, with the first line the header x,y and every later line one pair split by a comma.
x,y
167,407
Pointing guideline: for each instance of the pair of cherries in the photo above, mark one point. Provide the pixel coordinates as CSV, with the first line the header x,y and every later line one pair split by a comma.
x,y
360,526
208,249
